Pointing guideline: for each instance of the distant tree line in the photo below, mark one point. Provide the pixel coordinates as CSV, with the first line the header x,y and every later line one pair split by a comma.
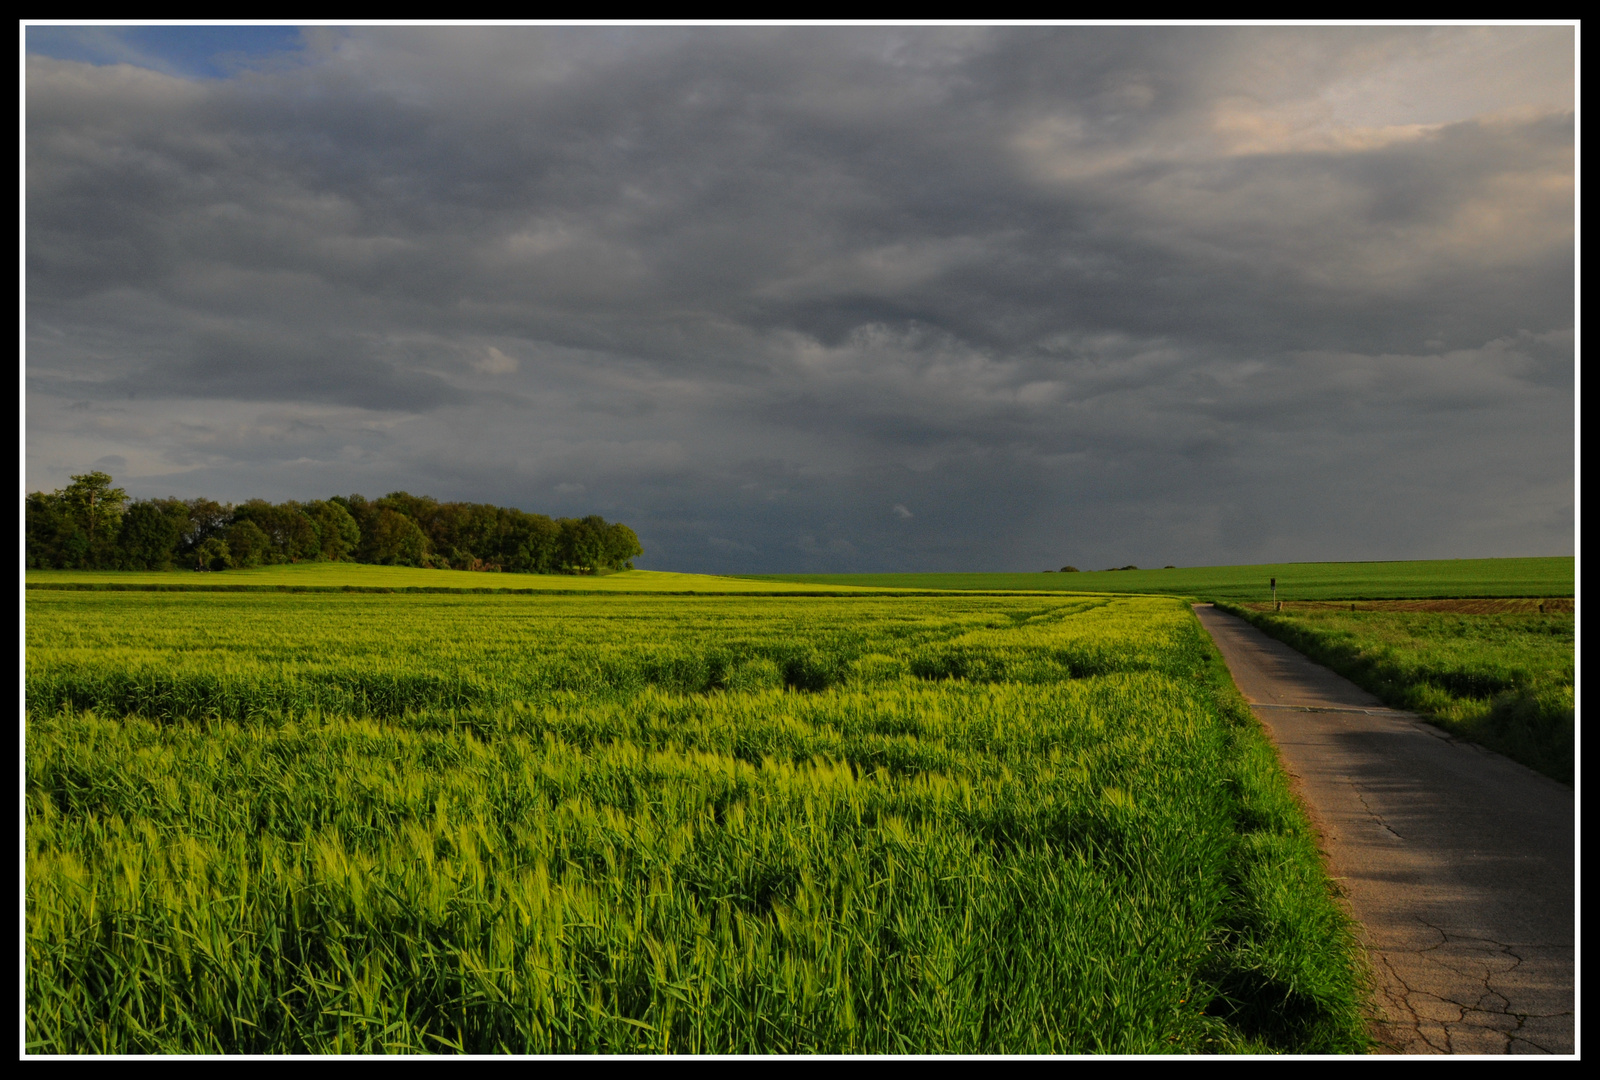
x,y
90,525
1109,569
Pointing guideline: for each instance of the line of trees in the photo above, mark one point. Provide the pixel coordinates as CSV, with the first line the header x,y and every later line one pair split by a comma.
x,y
91,525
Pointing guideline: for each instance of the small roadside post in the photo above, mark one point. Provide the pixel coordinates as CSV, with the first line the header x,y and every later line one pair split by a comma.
x,y
1275,605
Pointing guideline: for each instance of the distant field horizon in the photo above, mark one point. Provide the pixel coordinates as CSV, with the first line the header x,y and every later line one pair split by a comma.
x,y
1376,580
1391,580
358,577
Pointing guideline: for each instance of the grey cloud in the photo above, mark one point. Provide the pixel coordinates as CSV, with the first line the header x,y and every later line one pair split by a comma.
x,y
337,373
243,367
1106,286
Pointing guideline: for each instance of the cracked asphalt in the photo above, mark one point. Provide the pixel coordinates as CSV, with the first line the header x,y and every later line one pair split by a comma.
x,y
1458,862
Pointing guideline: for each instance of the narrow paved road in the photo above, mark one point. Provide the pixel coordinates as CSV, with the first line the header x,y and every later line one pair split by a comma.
x,y
1458,862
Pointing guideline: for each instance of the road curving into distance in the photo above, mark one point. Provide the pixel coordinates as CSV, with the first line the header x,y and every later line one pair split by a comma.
x,y
1458,862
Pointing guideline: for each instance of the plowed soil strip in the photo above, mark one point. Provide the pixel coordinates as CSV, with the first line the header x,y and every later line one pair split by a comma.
x,y
1459,863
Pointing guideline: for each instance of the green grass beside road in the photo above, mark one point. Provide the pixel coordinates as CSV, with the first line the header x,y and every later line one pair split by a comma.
x,y
1554,576
1505,681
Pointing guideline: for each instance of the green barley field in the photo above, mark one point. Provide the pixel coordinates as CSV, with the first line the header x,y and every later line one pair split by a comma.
x,y
349,822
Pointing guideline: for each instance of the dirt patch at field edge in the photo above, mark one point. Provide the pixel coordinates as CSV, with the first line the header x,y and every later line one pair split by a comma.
x,y
1559,605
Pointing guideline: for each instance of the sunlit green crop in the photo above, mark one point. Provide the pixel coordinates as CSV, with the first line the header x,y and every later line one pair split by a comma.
x,y
325,823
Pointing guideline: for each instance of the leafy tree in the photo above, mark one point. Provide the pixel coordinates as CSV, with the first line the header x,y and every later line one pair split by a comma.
x,y
291,534
363,513
207,518
621,546
48,528
213,554
338,535
149,534
74,527
248,545
581,543
393,540
96,507
531,543
469,535
590,543
419,508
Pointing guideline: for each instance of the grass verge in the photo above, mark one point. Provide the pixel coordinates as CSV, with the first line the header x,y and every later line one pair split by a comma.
x,y
1503,680
1291,972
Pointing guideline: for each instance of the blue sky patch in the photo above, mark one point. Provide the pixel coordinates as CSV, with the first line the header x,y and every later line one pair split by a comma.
x,y
205,52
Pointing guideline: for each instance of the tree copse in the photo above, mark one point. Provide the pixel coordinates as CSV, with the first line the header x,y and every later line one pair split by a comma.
x,y
91,525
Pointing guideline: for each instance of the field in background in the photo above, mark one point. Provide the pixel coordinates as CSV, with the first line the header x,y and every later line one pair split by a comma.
x,y
1512,605
343,576
1504,679
324,822
1296,581
1547,577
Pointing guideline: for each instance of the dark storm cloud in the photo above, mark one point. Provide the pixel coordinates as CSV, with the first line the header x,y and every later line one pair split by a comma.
x,y
1058,294
262,366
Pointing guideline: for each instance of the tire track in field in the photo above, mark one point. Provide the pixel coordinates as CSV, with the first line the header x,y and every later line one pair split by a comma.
x,y
1458,862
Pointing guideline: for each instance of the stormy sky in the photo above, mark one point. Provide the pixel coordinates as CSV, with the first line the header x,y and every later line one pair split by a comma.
x,y
825,299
